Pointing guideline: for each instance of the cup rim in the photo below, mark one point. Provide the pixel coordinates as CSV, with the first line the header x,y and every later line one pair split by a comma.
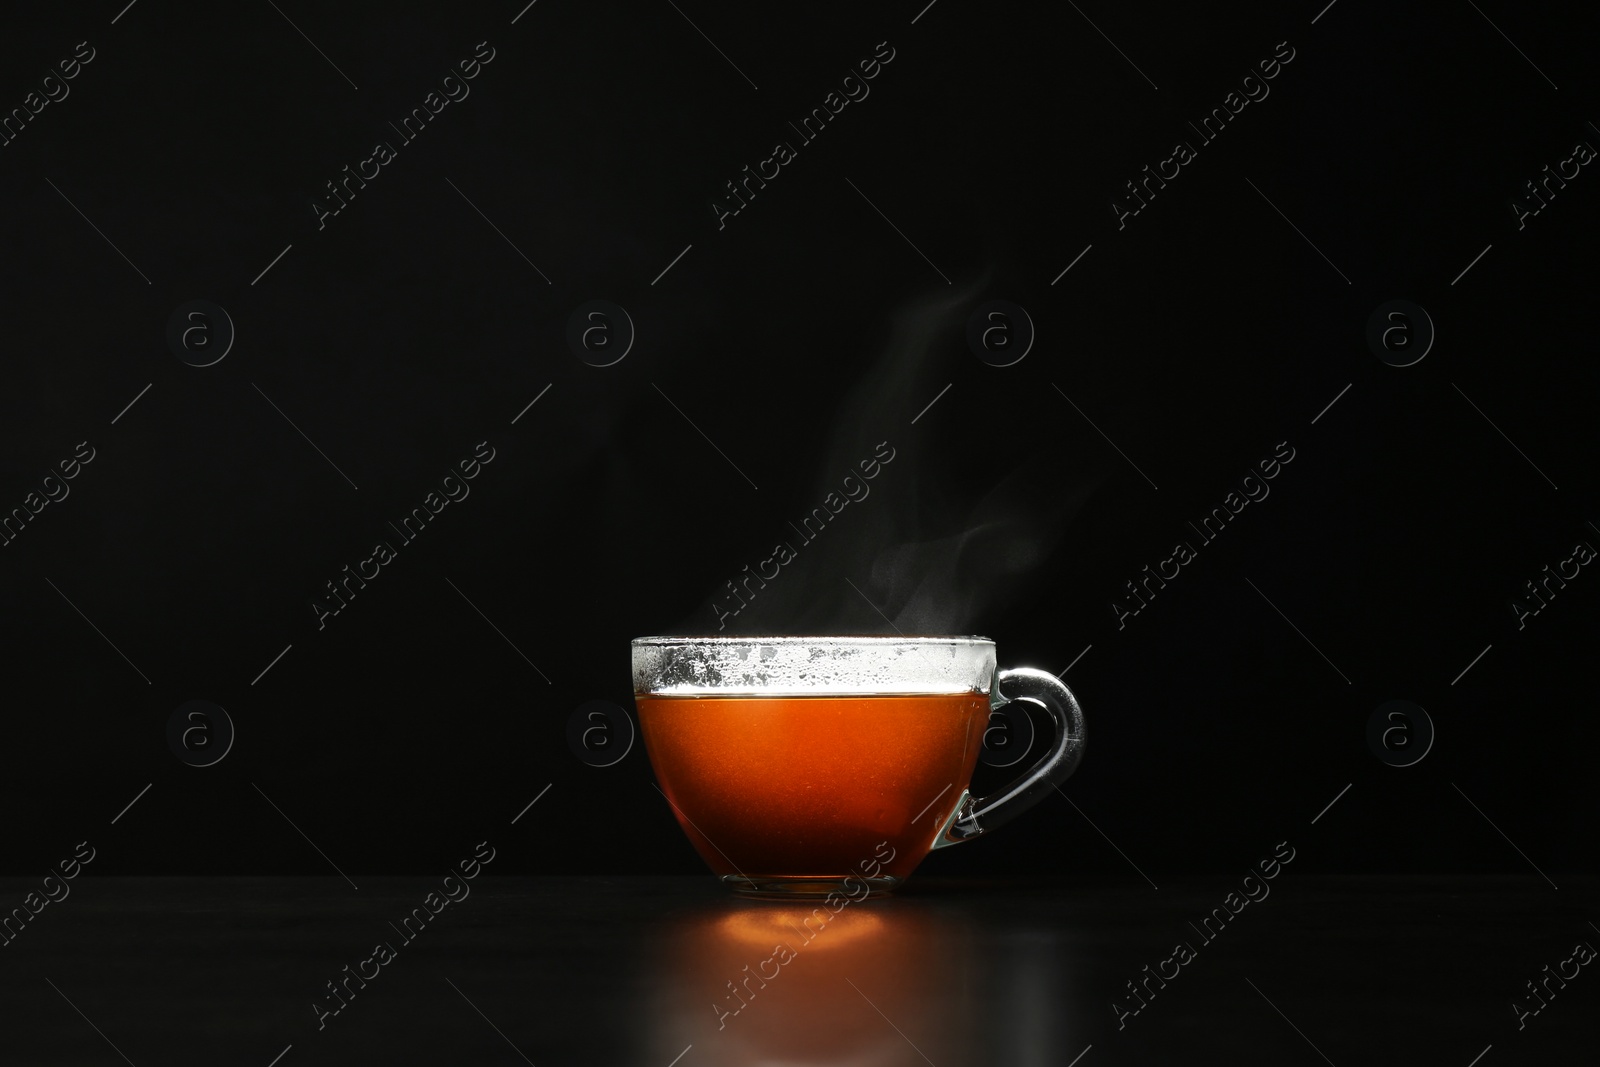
x,y
807,639
809,665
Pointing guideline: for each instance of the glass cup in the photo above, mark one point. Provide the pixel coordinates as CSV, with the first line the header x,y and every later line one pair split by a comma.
x,y
809,766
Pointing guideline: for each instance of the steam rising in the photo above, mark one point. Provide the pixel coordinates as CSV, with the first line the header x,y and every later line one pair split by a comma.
x,y
928,563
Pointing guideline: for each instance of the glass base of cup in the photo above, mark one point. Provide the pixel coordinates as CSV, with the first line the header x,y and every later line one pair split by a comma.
x,y
796,886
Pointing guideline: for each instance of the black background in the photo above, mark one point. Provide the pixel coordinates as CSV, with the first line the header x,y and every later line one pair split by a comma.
x,y
796,339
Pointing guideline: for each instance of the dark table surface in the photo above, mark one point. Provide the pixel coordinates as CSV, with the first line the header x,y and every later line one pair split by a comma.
x,y
610,970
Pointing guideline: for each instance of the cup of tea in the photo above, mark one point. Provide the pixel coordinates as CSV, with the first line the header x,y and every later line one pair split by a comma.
x,y
810,766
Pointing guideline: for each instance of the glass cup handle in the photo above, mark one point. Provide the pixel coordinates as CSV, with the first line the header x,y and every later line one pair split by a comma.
x,y
975,816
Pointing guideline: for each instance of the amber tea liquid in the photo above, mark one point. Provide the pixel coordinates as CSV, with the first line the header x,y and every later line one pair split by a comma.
x,y
812,785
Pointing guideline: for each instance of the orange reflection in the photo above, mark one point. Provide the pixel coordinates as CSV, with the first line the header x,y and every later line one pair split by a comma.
x,y
765,927
786,984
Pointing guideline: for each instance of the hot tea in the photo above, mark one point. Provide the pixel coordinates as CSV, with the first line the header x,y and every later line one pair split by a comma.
x,y
832,766
813,785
